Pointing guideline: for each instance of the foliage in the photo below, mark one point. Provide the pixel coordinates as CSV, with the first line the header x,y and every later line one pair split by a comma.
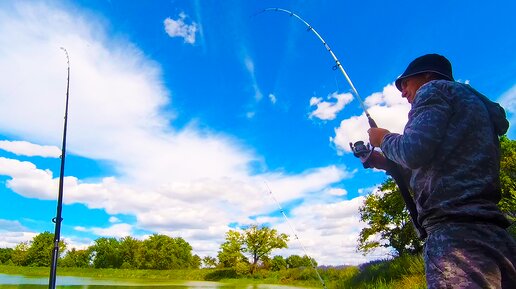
x,y
386,217
278,263
255,241
259,241
5,255
19,254
129,249
163,252
209,262
230,253
76,258
39,253
106,253
195,262
508,177
157,252
296,261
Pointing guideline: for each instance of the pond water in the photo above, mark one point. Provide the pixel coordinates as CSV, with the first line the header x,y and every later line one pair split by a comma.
x,y
67,282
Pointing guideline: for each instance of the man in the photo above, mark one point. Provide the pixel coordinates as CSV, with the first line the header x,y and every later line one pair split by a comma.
x,y
450,150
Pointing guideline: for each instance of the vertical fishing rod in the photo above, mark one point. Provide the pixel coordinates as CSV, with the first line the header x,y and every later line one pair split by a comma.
x,y
295,235
359,149
57,220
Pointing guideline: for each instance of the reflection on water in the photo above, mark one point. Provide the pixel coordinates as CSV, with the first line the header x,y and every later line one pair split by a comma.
x,y
66,282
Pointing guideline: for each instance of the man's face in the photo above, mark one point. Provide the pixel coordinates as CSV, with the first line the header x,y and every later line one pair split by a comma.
x,y
410,85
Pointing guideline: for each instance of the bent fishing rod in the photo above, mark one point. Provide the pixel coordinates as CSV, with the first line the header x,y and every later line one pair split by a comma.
x,y
295,235
57,220
363,152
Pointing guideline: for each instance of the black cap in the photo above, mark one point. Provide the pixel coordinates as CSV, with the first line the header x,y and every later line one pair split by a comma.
x,y
427,63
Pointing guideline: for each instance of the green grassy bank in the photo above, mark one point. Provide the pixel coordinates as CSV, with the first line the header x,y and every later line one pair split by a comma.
x,y
402,272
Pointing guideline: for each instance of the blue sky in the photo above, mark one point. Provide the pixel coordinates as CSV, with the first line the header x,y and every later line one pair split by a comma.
x,y
182,112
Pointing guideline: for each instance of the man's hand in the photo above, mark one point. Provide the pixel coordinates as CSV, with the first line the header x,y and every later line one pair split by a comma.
x,y
376,135
377,160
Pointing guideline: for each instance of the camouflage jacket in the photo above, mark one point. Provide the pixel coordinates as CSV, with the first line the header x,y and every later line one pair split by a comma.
x,y
450,147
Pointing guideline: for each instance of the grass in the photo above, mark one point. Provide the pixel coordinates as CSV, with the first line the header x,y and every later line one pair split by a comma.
x,y
402,272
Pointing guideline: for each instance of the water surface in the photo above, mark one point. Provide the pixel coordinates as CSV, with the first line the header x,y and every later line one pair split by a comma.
x,y
67,282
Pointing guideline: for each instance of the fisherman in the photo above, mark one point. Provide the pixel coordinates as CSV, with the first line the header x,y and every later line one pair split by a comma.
x,y
451,153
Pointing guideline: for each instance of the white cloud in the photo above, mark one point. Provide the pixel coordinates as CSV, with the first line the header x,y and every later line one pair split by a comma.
x,y
329,232
9,239
13,233
328,110
27,180
25,148
116,230
387,108
336,192
113,219
272,98
178,28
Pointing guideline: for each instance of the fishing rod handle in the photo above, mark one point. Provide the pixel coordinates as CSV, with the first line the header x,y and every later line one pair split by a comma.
x,y
372,123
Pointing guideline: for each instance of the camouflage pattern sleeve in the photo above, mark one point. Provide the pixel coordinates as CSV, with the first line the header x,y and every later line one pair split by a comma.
x,y
425,130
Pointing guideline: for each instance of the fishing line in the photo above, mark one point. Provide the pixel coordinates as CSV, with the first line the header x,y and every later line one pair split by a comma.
x,y
295,235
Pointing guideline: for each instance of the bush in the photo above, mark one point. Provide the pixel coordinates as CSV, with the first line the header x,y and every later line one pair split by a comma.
x,y
220,274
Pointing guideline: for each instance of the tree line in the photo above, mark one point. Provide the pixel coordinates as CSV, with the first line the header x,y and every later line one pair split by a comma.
x,y
244,250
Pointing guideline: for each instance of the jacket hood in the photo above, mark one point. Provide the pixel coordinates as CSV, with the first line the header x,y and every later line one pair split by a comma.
x,y
496,113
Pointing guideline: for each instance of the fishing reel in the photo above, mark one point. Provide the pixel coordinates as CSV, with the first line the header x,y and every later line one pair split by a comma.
x,y
362,151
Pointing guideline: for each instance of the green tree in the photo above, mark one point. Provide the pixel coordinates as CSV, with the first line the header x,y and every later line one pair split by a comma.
x,y
129,250
259,241
388,222
508,177
209,262
255,241
76,258
278,263
508,181
19,254
296,261
39,253
106,252
164,252
230,253
5,255
195,262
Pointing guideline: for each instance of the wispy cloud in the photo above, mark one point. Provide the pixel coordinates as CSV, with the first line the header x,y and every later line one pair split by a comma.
x,y
249,65
272,98
178,28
